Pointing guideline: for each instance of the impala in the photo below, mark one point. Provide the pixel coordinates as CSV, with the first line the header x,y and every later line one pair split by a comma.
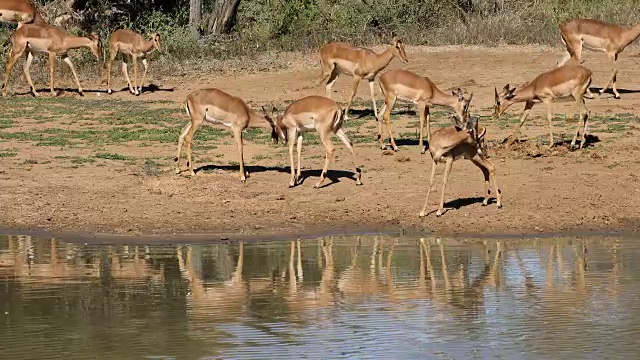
x,y
217,107
568,80
420,90
131,44
45,38
313,112
452,143
342,58
597,36
20,12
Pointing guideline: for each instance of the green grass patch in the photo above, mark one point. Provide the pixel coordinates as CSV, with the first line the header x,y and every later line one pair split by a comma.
x,y
112,156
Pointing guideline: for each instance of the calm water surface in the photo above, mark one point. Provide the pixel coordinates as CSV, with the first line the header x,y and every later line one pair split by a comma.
x,y
357,297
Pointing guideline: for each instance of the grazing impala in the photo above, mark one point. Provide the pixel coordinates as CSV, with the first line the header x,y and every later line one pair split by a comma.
x,y
20,12
597,36
452,143
45,38
568,80
420,90
342,58
313,112
217,107
131,44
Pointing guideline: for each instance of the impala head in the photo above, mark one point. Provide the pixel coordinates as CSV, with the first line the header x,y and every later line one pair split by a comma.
x,y
273,122
471,125
503,100
279,130
155,38
461,107
95,45
398,49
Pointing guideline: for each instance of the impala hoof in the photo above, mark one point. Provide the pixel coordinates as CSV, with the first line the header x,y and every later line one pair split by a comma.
x,y
499,206
439,213
193,173
422,214
109,91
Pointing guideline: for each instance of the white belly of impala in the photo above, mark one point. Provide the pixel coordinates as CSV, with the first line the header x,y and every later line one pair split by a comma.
x,y
216,121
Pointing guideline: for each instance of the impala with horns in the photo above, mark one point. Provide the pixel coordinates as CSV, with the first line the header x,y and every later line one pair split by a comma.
x,y
568,80
217,107
597,36
20,12
361,63
452,143
131,45
313,112
420,90
45,38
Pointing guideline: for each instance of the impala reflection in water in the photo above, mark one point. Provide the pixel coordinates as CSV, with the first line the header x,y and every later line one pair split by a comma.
x,y
336,297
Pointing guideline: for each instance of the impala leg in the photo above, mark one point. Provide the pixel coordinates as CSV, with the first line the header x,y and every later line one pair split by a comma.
x,y
25,69
183,134
326,140
52,64
423,110
14,55
135,74
527,108
237,134
583,111
373,97
333,76
431,178
299,171
188,140
387,120
354,89
125,71
67,60
614,73
112,56
145,64
447,170
489,172
388,105
345,140
292,135
550,119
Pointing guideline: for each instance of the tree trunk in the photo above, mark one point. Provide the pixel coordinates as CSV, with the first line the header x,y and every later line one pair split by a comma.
x,y
223,17
195,16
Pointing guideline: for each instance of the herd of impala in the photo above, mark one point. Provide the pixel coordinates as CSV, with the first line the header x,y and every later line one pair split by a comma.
x,y
464,139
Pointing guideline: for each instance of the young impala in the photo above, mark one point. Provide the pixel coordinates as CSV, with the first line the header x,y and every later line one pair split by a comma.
x,y
342,58
597,36
568,80
313,112
217,107
452,143
20,12
420,90
32,38
132,45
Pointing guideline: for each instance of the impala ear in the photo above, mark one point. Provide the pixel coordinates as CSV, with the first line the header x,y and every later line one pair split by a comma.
x,y
274,111
394,37
506,88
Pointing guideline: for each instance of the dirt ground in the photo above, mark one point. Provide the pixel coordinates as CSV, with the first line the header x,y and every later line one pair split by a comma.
x,y
593,189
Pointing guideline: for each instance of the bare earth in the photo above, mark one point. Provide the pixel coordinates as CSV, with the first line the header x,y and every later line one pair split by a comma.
x,y
593,189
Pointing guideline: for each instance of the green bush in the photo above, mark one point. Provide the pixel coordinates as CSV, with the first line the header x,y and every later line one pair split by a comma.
x,y
282,25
